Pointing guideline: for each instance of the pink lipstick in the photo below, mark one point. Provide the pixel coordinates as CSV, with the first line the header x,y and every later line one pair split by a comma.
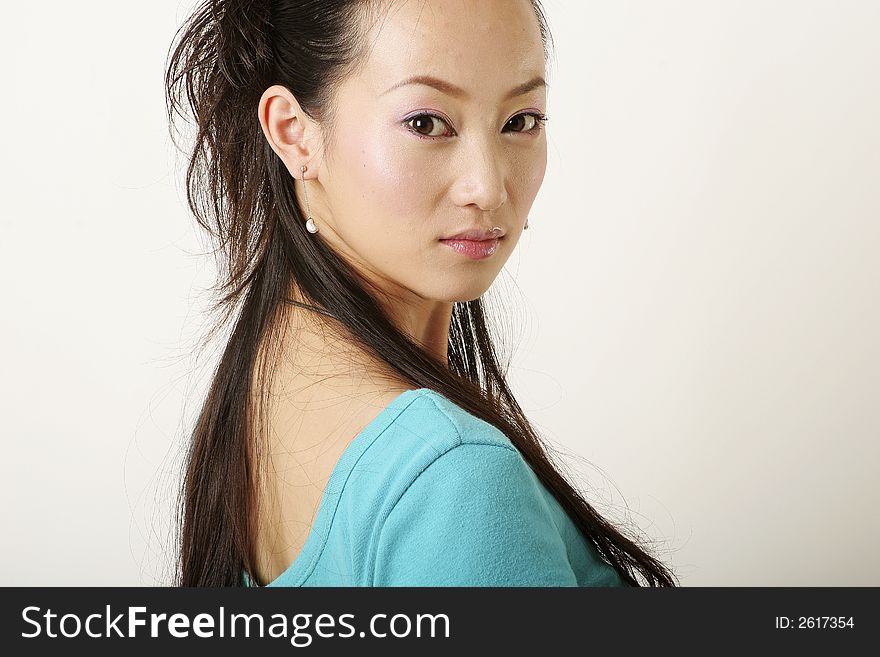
x,y
473,248
475,243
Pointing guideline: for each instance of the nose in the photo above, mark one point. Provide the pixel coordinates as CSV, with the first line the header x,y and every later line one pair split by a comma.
x,y
483,177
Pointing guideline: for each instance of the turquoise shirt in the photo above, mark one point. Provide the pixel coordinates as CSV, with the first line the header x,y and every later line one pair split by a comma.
x,y
429,495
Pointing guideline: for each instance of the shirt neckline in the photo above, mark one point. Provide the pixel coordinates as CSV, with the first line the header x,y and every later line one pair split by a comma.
x,y
303,565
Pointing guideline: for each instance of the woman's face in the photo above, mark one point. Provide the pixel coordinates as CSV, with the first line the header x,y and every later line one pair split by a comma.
x,y
411,164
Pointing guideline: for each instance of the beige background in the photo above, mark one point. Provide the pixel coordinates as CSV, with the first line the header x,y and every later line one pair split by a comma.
x,y
696,297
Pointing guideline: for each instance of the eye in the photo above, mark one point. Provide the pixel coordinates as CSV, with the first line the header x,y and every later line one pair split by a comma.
x,y
533,122
536,123
424,121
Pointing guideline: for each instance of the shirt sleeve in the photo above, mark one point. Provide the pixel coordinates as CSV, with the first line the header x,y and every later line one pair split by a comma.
x,y
474,517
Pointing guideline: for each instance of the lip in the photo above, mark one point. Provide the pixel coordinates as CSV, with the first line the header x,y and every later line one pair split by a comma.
x,y
474,249
476,235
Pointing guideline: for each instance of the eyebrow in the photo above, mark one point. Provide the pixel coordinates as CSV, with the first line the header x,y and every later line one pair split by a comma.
x,y
458,92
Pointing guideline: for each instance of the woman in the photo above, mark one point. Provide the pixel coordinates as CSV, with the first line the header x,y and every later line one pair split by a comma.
x,y
367,168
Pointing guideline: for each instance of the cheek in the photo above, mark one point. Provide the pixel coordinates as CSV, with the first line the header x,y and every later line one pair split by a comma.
x,y
525,177
534,170
389,187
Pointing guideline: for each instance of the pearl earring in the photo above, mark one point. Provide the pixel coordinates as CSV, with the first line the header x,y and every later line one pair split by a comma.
x,y
310,224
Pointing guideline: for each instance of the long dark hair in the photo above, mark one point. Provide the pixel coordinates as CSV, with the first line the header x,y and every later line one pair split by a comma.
x,y
226,54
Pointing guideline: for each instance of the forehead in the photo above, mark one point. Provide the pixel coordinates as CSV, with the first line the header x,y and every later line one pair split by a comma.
x,y
485,46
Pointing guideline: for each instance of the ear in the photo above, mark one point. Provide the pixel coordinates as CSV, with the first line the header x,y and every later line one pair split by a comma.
x,y
291,133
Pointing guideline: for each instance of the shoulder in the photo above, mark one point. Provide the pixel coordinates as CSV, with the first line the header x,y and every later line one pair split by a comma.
x,y
443,424
425,430
457,504
420,428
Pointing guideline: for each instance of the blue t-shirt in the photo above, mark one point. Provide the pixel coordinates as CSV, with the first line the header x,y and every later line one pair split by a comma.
x,y
429,495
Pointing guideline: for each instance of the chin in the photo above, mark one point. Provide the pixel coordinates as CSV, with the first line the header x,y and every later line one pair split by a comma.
x,y
466,291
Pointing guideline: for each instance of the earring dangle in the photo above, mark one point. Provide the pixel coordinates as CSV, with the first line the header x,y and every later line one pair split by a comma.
x,y
526,227
310,224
